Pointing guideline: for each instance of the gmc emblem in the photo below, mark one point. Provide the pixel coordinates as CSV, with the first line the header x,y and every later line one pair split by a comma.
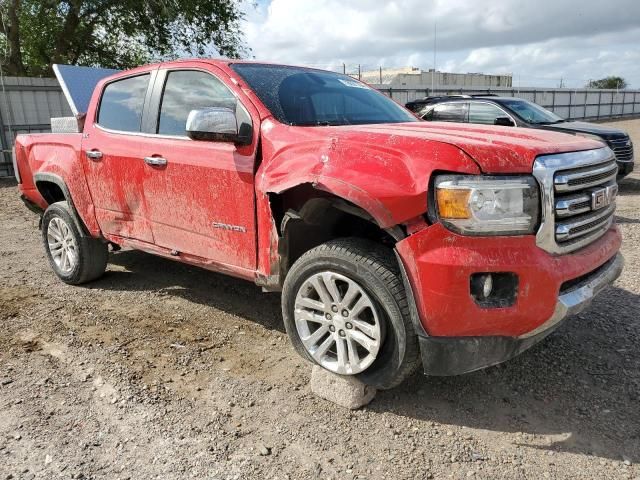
x,y
603,197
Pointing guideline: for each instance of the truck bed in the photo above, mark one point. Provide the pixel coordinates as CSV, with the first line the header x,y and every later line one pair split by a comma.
x,y
54,153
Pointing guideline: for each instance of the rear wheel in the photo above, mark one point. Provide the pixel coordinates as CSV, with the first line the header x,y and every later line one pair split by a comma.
x,y
75,258
345,309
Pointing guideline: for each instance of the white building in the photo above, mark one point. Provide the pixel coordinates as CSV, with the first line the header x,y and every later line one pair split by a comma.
x,y
412,77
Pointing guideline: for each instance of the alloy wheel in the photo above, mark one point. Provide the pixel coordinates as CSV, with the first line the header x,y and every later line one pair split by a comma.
x,y
337,323
62,245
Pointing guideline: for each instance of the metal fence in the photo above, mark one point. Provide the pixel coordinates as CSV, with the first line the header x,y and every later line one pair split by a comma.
x,y
572,104
26,106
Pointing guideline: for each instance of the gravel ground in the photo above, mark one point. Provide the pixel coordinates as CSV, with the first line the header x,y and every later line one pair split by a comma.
x,y
161,370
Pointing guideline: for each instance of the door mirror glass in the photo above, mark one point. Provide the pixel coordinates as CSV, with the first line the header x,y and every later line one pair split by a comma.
x,y
504,121
217,124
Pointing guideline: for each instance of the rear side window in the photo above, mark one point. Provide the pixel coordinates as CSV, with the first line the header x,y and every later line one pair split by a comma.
x,y
450,112
122,102
485,113
187,90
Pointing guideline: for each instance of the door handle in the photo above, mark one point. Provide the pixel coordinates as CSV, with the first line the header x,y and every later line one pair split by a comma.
x,y
94,154
155,161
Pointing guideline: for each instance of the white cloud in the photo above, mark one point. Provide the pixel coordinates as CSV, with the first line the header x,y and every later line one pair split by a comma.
x,y
540,42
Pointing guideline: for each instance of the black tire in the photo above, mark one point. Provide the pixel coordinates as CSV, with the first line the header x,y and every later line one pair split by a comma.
x,y
92,253
374,267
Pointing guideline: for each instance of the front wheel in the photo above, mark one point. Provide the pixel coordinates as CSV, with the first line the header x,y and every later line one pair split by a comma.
x,y
75,258
345,309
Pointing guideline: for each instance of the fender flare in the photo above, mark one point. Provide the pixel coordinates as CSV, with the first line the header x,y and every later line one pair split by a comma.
x,y
55,179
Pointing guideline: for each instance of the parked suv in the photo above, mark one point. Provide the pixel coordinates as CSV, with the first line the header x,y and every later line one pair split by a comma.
x,y
516,112
394,242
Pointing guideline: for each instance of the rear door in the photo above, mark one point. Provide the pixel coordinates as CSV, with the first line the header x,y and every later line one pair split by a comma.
x,y
112,159
199,195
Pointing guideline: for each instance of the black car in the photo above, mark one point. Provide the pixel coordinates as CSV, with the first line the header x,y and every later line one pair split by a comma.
x,y
516,112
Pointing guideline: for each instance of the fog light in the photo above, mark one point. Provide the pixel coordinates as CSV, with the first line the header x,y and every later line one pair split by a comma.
x,y
494,289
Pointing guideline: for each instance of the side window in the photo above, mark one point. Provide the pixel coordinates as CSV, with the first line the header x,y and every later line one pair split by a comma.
x,y
121,104
186,90
450,112
485,113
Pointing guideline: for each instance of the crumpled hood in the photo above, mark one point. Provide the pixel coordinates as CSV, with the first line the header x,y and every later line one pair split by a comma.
x,y
385,169
495,149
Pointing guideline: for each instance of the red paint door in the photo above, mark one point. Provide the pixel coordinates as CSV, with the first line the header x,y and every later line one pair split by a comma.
x,y
112,162
199,195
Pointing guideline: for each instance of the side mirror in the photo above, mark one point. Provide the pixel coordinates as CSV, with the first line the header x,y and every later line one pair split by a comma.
x,y
217,124
504,121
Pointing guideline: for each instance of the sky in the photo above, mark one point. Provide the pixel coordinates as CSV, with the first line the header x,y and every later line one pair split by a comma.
x,y
540,42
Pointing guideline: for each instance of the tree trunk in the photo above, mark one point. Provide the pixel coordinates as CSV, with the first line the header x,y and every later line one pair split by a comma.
x,y
13,60
64,43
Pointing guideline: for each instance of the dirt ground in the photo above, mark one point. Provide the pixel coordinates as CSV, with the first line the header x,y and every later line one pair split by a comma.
x,y
164,371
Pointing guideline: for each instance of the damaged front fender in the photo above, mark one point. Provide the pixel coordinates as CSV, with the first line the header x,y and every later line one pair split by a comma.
x,y
384,175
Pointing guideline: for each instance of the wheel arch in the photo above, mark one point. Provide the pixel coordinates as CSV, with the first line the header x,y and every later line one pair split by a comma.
x,y
305,216
293,209
53,189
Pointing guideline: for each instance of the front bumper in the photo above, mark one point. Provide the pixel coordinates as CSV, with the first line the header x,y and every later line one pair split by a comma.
x,y
456,334
455,356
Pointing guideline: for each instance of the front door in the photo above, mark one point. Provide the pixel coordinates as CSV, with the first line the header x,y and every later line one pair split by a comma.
x,y
199,195
112,163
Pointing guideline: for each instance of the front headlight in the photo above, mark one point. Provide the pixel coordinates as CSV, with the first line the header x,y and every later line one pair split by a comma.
x,y
487,205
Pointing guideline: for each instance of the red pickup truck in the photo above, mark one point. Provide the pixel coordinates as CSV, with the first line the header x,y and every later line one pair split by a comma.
x,y
394,242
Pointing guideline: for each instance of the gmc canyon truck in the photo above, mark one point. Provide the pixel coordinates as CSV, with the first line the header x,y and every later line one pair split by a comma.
x,y
394,242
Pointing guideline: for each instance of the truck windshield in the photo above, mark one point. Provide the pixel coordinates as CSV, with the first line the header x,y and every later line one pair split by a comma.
x,y
307,97
532,113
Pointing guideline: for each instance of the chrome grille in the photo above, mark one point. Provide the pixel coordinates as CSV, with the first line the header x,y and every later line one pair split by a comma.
x,y
622,148
581,178
570,205
576,227
578,191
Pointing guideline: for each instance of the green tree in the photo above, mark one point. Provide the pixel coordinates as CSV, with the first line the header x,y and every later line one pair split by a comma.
x,y
611,82
35,34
